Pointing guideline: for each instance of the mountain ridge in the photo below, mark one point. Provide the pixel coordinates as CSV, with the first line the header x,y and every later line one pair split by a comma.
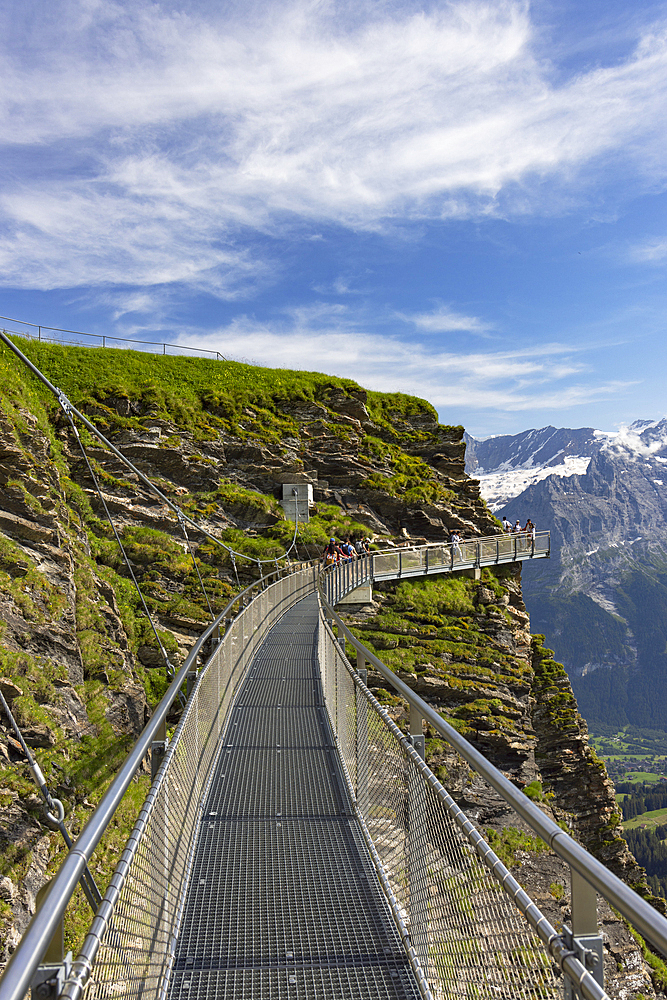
x,y
608,566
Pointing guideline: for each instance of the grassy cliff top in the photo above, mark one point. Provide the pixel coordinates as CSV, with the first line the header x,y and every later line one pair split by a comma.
x,y
184,387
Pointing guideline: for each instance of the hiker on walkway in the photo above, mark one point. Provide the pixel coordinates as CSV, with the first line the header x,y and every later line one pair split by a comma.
x,y
455,540
331,554
347,549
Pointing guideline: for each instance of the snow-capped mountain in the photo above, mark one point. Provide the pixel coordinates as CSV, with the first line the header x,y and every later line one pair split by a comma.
x,y
602,598
507,465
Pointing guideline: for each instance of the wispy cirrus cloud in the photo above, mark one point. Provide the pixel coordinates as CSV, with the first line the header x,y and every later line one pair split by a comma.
x,y
490,380
150,137
652,251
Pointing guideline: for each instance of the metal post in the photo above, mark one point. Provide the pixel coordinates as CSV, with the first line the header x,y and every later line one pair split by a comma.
x,y
54,969
362,739
417,864
158,748
39,334
584,938
426,567
417,737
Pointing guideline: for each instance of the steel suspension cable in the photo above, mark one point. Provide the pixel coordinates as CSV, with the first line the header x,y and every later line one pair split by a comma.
x,y
56,810
168,664
181,521
65,402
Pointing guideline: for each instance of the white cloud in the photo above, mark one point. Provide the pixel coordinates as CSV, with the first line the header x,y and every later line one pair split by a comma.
x,y
445,320
512,380
627,440
650,252
149,137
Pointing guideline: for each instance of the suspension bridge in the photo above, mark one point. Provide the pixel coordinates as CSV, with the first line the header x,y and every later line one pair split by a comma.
x,y
294,844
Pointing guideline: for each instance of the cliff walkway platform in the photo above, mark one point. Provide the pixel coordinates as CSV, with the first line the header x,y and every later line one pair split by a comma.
x,y
283,898
295,844
356,578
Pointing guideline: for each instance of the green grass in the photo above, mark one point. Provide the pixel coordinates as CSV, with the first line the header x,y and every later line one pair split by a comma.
x,y
655,817
509,840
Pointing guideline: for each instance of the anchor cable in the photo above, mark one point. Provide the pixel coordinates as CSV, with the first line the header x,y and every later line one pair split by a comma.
x,y
55,809
168,665
64,402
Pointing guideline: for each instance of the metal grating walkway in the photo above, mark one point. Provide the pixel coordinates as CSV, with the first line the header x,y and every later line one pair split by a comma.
x,y
283,900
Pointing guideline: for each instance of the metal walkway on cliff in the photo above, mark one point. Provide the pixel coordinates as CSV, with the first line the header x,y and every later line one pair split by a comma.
x,y
283,898
295,844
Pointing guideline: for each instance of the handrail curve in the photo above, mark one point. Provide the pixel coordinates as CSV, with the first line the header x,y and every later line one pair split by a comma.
x,y
18,973
651,924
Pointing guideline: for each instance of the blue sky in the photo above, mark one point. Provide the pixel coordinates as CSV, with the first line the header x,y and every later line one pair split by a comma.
x,y
466,200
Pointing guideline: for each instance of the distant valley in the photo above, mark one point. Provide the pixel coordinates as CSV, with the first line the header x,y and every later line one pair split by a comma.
x,y
602,598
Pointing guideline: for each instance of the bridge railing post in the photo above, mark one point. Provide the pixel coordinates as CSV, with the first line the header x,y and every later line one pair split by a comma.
x,y
362,739
416,845
158,748
584,939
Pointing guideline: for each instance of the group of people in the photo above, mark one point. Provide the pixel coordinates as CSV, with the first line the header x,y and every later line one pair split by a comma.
x,y
344,552
528,531
516,529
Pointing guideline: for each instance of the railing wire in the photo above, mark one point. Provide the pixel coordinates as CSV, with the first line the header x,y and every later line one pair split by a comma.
x,y
148,886
470,939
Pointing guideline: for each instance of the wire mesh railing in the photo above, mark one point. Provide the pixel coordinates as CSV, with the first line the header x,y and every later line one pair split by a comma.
x,y
469,938
131,941
422,560
42,333
468,927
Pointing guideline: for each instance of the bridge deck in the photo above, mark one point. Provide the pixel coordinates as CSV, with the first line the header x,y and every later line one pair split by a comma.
x,y
283,901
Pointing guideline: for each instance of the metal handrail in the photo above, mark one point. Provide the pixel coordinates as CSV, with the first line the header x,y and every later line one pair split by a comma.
x,y
103,337
554,943
651,924
29,952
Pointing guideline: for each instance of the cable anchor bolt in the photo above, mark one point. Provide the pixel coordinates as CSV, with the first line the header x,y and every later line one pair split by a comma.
x,y
64,402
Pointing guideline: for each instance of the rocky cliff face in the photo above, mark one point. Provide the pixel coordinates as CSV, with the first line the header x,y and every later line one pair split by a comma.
x,y
78,659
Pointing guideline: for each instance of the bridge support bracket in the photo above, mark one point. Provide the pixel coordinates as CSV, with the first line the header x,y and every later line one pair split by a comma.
x,y
589,950
48,981
158,750
49,978
584,938
417,737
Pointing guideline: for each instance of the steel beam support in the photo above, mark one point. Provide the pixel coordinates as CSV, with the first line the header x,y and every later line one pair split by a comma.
x,y
159,748
417,737
49,978
362,739
584,938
